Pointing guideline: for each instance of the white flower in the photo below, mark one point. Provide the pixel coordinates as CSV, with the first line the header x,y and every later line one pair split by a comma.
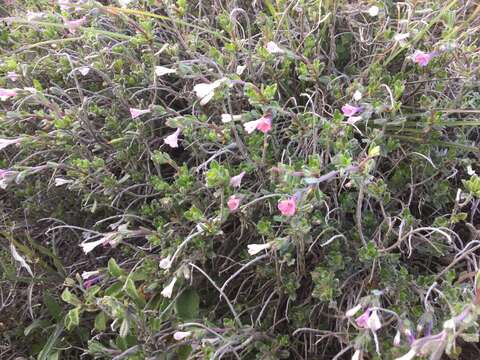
x,y
205,91
84,70
60,181
226,118
401,37
351,312
168,290
470,171
240,69
87,274
180,335
20,259
162,70
408,356
172,139
254,249
273,48
397,338
89,246
356,355
124,3
12,75
166,263
34,15
7,142
31,90
373,11
353,119
250,126
357,95
373,321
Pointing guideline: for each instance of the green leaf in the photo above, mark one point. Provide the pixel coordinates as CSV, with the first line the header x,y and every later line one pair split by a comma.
x,y
187,305
374,151
72,319
183,352
131,290
53,307
114,269
101,321
124,328
36,324
70,298
48,350
114,290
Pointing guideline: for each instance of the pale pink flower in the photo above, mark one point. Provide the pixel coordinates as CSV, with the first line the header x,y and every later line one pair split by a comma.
x,y
408,356
84,70
31,15
12,75
172,139
264,124
254,249
7,142
350,110
363,319
351,312
236,181
397,339
206,91
273,48
64,4
250,126
369,320
421,58
6,93
73,25
180,335
287,207
135,113
233,202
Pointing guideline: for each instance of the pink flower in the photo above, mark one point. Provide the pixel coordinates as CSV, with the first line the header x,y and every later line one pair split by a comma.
x,y
138,112
349,110
172,140
7,142
422,58
363,319
264,124
6,93
73,25
369,320
12,75
233,203
287,207
236,181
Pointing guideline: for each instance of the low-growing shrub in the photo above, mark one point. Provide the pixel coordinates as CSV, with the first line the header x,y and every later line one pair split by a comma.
x,y
239,179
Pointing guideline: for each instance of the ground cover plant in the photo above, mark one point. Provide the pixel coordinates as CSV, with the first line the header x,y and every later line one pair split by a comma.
x,y
220,179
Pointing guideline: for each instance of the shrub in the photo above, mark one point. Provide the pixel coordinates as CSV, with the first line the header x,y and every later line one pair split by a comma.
x,y
236,179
